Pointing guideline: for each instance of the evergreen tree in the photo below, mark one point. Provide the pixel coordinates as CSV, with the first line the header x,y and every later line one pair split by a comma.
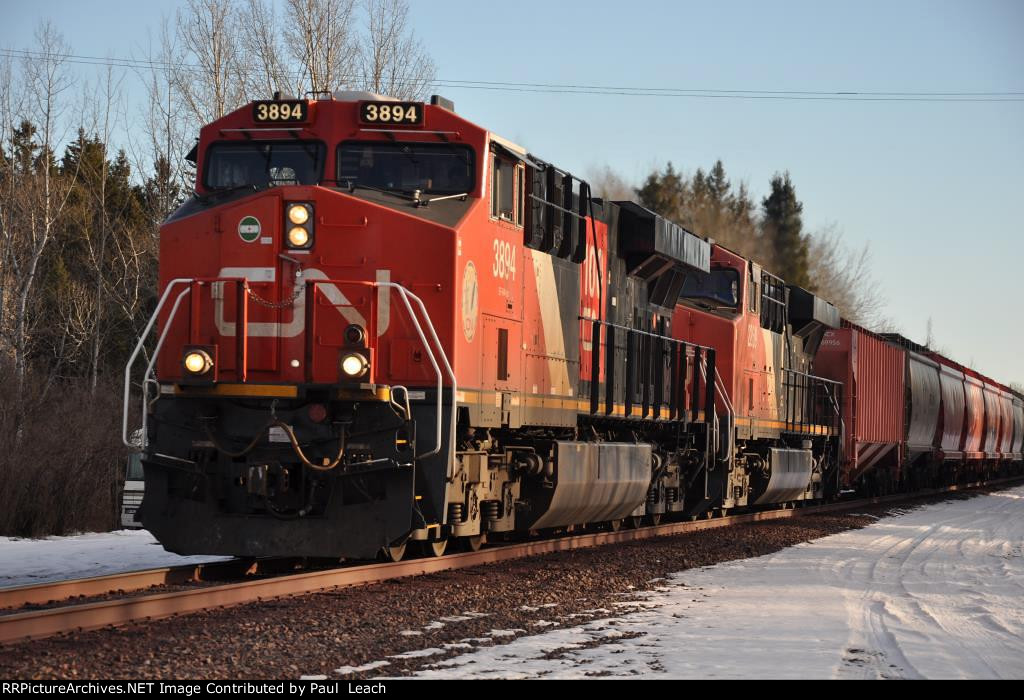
x,y
664,193
707,205
161,194
783,227
718,186
24,149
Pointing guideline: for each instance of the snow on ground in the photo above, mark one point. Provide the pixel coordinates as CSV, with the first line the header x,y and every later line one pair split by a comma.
x,y
24,562
937,592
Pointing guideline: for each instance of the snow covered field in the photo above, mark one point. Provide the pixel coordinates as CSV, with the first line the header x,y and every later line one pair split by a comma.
x,y
934,593
24,562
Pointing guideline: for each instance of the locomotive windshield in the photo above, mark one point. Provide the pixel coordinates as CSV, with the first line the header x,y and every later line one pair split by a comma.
x,y
720,289
431,168
264,164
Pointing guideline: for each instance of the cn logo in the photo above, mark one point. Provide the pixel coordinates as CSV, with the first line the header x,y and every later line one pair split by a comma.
x,y
297,324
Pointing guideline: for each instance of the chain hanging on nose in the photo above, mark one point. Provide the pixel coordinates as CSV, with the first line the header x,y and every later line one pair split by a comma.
x,y
297,290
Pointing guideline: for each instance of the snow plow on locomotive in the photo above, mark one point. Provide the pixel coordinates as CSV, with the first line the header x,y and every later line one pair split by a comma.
x,y
380,324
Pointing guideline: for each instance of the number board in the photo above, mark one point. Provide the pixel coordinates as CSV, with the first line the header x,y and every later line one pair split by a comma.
x,y
394,113
277,112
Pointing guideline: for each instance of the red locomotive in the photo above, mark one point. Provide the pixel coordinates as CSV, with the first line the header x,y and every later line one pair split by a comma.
x,y
380,323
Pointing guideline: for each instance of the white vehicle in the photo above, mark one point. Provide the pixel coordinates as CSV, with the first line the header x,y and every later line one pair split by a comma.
x,y
131,495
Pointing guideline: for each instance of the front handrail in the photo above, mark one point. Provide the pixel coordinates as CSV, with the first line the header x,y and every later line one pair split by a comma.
x,y
730,414
135,354
405,294
410,300
720,391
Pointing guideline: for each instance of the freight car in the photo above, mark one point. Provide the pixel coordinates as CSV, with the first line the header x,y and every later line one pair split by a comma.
x,y
915,418
380,323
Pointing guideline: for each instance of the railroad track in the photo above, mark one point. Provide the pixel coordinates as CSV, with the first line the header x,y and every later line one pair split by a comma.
x,y
37,624
131,581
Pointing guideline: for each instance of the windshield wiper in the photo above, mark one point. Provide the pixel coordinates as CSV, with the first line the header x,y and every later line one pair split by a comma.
x,y
353,185
458,152
220,192
425,202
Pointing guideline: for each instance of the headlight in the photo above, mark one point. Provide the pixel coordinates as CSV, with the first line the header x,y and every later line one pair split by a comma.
x,y
354,365
298,214
298,237
197,362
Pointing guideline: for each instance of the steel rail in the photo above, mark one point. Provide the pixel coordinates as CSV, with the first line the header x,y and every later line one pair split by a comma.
x,y
45,623
44,593
129,581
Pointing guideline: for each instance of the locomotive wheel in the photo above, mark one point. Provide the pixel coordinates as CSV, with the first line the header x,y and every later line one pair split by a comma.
x,y
433,548
474,543
395,552
635,521
654,518
615,525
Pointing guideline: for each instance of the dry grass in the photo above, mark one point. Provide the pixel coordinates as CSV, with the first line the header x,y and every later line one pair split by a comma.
x,y
61,464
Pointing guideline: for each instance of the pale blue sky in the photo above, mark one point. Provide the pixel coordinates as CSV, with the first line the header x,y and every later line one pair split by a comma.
x,y
934,187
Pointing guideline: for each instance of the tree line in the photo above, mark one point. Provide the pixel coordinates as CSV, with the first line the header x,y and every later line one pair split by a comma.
x,y
770,232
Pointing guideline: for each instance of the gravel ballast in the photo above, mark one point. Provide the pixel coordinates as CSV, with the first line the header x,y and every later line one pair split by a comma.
x,y
407,623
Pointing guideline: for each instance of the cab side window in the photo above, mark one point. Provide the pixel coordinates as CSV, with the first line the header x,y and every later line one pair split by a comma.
x,y
507,183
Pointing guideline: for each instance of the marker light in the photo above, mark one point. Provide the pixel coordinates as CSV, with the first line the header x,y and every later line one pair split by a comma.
x,y
354,334
354,365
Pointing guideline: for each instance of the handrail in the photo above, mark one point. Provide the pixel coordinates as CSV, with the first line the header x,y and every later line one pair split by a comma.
x,y
149,375
406,294
729,413
641,331
411,301
676,402
810,394
131,362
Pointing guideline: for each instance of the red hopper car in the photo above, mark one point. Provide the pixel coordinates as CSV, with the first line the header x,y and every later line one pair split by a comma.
x,y
915,418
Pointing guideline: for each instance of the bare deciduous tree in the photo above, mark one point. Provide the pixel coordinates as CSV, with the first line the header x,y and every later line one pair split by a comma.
x,y
41,193
214,83
609,185
165,131
844,277
8,184
320,41
391,60
104,103
266,55
234,51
